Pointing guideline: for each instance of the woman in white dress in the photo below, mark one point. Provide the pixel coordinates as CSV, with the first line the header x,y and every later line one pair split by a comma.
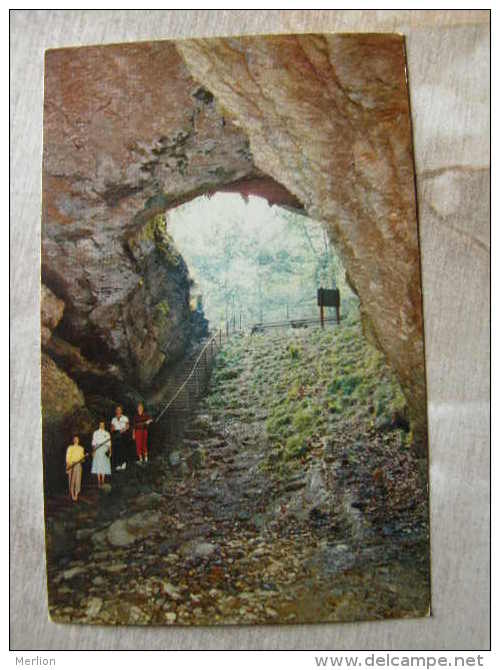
x,y
101,453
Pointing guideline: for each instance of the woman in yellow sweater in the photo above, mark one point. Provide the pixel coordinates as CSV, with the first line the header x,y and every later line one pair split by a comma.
x,y
75,456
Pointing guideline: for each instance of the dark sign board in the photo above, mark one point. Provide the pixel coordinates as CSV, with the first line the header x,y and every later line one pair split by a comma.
x,y
329,297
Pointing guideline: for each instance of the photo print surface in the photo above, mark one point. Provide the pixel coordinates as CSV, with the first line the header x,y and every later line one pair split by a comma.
x,y
233,379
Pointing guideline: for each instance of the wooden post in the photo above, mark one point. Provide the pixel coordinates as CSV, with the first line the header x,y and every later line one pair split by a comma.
x,y
227,328
240,320
321,307
220,337
337,309
205,375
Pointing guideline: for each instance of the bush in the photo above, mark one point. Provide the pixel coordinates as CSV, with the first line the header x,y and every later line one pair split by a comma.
x,y
304,418
228,373
296,446
277,422
345,385
335,406
294,351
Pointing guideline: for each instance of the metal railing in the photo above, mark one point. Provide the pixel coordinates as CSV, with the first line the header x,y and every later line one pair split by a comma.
x,y
290,323
190,381
196,381
190,385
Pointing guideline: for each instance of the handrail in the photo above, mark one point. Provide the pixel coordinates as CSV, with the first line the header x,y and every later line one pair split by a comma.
x,y
182,386
290,322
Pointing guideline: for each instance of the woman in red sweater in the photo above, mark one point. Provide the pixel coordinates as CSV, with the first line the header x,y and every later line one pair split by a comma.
x,y
140,433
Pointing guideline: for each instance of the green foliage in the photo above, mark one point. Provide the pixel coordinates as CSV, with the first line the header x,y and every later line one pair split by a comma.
x,y
335,406
408,439
167,248
337,377
226,374
278,421
155,230
294,351
163,309
264,262
296,446
345,384
304,418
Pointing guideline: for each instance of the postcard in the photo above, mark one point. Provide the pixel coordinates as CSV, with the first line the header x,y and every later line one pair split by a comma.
x,y
233,374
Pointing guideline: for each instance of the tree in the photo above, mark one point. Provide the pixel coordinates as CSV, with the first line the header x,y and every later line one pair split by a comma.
x,y
265,262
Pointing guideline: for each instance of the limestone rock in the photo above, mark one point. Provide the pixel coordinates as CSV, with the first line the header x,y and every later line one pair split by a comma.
x,y
137,616
104,247
118,534
174,458
51,309
59,540
100,538
197,549
171,591
79,368
64,415
123,532
84,534
117,567
60,395
94,606
73,572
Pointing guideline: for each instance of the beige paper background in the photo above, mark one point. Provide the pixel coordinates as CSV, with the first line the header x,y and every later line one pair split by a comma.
x,y
448,67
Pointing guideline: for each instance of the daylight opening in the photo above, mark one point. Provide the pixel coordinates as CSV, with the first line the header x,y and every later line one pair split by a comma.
x,y
252,263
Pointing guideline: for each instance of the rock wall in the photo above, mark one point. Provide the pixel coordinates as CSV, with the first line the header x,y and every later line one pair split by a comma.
x,y
319,122
127,133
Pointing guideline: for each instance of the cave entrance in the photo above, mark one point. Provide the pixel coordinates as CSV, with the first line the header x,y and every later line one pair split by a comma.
x,y
254,262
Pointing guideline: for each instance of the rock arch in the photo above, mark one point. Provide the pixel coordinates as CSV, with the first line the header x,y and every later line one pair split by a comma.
x,y
313,122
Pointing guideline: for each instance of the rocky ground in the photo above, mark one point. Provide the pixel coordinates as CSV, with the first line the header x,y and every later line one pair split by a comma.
x,y
293,497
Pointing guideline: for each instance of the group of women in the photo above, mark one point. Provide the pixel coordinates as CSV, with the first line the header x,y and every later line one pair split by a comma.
x,y
109,450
